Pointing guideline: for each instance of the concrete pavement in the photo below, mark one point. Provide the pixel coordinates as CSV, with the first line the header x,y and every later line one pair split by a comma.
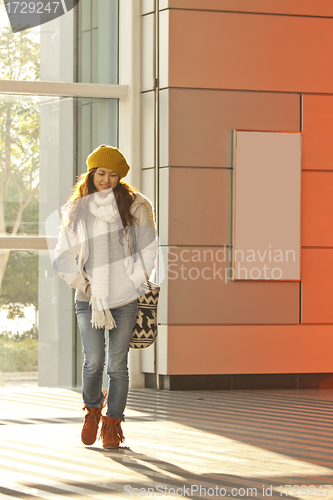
x,y
201,444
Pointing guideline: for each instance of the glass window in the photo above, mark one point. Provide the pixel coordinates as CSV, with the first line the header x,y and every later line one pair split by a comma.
x,y
19,53
44,142
97,41
79,46
19,318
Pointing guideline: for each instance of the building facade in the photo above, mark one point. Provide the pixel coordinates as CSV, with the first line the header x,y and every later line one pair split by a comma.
x,y
171,82
225,66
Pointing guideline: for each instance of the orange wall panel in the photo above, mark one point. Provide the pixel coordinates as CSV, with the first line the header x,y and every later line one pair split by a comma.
x,y
296,7
249,51
232,349
317,208
200,293
192,194
201,121
317,289
317,132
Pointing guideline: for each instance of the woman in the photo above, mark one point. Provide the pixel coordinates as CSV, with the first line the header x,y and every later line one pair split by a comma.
x,y
105,224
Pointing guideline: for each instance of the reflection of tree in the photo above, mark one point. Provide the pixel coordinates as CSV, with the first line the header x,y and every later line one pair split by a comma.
x,y
19,55
20,285
19,140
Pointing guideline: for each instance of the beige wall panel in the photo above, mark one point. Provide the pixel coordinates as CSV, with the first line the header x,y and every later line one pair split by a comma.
x,y
164,49
148,359
201,121
251,52
267,205
148,354
199,206
163,4
148,184
147,64
162,350
164,128
147,129
148,189
163,300
147,6
164,206
162,315
199,292
214,349
296,7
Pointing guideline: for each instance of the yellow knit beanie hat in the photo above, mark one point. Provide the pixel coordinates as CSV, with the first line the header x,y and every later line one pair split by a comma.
x,y
108,157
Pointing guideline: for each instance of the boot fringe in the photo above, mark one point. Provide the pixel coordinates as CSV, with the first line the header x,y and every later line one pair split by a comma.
x,y
111,432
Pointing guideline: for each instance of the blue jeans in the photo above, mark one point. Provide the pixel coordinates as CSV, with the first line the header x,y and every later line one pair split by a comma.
x,y
93,341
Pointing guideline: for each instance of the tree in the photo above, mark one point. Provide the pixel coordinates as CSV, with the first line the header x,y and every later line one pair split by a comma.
x,y
19,135
20,285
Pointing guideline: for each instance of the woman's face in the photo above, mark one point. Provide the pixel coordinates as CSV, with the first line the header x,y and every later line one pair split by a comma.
x,y
105,178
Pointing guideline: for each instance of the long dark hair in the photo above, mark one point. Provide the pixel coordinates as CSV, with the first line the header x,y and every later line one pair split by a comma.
x,y
78,206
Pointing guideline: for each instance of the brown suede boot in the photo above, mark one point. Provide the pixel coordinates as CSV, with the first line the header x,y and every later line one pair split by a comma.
x,y
111,432
90,425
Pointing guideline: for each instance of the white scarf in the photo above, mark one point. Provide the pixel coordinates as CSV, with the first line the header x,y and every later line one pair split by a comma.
x,y
105,211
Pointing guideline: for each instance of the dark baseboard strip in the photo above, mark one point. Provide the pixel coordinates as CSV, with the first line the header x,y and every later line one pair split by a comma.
x,y
240,382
